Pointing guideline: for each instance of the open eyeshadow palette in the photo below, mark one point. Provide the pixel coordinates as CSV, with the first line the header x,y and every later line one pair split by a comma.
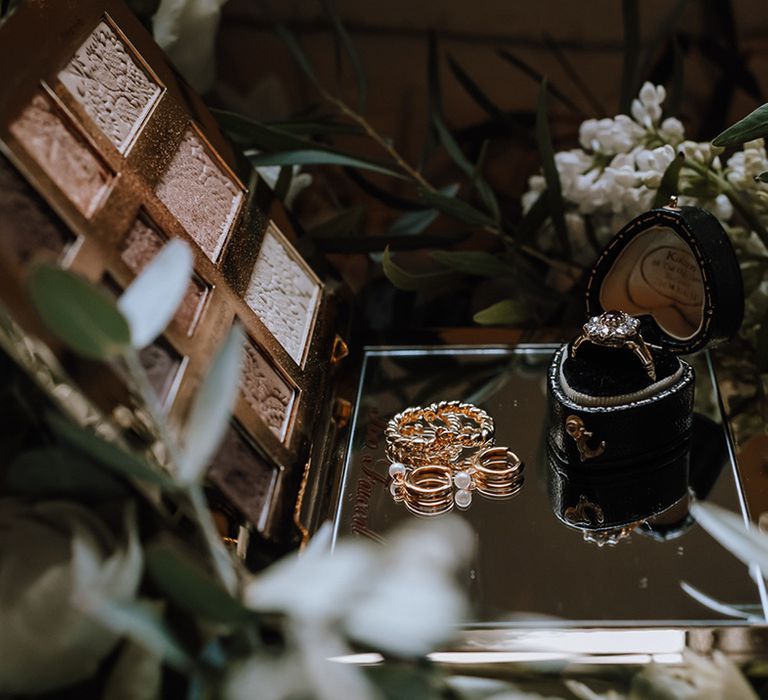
x,y
105,156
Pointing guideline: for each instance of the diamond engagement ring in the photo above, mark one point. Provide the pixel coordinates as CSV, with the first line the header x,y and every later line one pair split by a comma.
x,y
616,329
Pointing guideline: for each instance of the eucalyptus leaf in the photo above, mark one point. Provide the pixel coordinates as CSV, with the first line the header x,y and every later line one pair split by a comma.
x,y
753,126
669,181
184,581
629,79
531,72
417,221
210,413
574,75
376,244
80,314
454,150
745,542
509,312
152,299
53,472
141,622
411,281
319,157
455,208
472,262
297,52
313,127
344,224
479,96
547,153
259,136
120,461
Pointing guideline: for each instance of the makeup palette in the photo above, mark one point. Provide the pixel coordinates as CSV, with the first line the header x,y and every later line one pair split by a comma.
x,y
105,156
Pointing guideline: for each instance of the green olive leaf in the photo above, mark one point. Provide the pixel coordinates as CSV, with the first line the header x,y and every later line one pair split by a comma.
x,y
77,312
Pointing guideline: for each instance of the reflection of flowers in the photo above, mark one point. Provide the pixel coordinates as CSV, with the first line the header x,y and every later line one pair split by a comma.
x,y
400,599
55,554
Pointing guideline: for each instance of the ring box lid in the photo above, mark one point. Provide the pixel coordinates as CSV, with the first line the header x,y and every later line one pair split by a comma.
x,y
676,270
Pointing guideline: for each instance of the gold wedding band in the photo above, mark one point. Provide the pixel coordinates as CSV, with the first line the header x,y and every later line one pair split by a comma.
x,y
498,472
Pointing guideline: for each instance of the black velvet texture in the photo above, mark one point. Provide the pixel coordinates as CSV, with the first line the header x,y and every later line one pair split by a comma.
x,y
601,371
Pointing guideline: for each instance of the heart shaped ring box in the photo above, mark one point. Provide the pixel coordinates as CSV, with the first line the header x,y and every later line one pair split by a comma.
x,y
668,284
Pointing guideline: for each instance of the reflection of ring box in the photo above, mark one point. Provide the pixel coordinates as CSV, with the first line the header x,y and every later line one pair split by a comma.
x,y
675,270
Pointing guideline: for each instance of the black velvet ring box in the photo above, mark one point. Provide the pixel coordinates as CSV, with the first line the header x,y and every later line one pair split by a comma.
x,y
674,269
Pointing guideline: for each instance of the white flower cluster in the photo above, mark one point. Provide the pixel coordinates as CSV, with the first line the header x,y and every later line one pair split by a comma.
x,y
400,598
615,174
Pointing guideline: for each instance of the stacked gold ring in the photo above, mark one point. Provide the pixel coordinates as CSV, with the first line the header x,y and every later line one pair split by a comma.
x,y
437,433
498,472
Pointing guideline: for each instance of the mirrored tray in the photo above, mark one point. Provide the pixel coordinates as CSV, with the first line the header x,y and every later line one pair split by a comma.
x,y
531,567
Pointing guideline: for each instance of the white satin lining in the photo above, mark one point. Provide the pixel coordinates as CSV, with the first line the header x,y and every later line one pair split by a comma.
x,y
620,399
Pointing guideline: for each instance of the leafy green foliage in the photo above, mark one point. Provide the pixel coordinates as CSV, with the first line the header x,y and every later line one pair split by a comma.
x,y
55,472
547,152
77,312
184,581
509,312
753,126
471,262
107,454
413,281
319,157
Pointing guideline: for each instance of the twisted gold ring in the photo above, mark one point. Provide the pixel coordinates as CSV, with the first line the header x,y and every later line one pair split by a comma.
x,y
437,433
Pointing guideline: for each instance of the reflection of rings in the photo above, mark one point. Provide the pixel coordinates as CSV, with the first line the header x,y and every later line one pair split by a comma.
x,y
498,472
616,329
428,490
437,433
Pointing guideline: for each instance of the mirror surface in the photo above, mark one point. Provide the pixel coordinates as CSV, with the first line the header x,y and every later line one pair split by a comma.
x,y
531,564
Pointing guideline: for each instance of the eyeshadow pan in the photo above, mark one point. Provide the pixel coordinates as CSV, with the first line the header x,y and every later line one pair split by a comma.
x,y
162,364
265,391
243,476
141,244
105,78
200,194
283,295
27,224
62,154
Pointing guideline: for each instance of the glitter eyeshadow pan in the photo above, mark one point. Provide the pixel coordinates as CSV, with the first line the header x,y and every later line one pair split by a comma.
x,y
200,194
62,153
283,295
243,476
141,244
265,391
106,79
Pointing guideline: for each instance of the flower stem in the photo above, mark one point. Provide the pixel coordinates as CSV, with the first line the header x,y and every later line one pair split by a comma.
x,y
218,553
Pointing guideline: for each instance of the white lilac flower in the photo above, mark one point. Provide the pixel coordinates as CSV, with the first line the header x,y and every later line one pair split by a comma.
x,y
55,555
616,173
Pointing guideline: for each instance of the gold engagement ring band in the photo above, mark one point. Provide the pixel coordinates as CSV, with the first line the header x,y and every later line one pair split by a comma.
x,y
617,329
